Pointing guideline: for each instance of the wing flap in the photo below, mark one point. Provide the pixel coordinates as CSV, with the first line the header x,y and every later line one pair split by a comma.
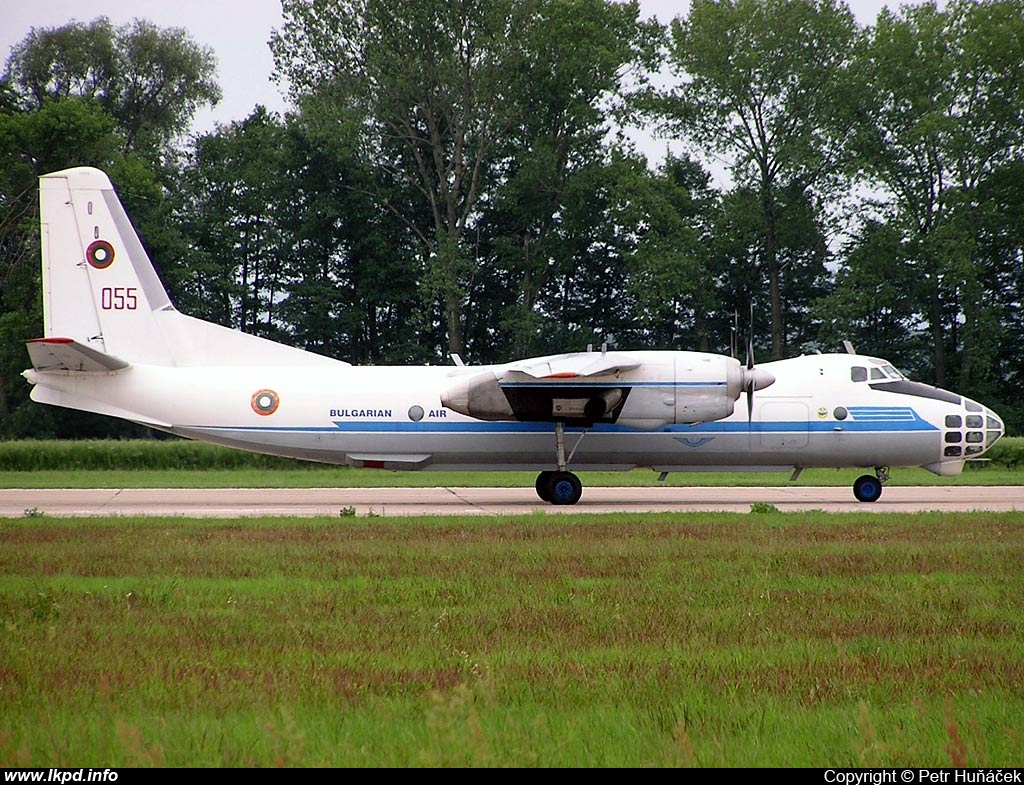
x,y
559,367
66,354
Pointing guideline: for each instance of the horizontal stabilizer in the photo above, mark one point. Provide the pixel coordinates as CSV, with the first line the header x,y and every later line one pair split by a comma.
x,y
66,354
570,366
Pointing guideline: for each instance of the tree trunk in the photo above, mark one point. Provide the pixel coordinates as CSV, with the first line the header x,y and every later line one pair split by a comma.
x,y
771,262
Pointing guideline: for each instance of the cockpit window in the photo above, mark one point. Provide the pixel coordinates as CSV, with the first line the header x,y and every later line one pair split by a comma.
x,y
892,373
858,373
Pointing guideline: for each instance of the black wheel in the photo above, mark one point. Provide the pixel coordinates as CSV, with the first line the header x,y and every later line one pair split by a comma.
x,y
867,488
543,486
564,488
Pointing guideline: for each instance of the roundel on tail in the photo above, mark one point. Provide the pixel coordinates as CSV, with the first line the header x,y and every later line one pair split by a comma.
x,y
265,402
100,254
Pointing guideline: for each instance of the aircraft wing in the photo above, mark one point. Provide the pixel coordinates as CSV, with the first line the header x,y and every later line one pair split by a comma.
x,y
573,365
66,354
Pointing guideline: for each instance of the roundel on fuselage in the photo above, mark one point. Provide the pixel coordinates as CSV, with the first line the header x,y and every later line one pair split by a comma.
x,y
265,402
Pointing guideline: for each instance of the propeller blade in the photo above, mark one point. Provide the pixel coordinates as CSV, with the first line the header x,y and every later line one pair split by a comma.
x,y
754,378
750,370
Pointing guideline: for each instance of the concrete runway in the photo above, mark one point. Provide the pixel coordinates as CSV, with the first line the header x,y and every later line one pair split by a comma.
x,y
248,502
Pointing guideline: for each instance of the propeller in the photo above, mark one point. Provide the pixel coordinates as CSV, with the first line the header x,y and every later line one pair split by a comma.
x,y
753,378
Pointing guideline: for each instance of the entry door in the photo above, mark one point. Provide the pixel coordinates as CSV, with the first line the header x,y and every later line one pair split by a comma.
x,y
784,424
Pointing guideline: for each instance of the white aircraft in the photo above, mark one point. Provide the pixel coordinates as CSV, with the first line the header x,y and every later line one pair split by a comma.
x,y
114,344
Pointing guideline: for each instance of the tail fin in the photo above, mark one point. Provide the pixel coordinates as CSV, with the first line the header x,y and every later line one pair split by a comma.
x,y
101,290
99,287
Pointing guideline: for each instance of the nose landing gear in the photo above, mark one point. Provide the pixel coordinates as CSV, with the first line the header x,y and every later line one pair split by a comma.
x,y
867,488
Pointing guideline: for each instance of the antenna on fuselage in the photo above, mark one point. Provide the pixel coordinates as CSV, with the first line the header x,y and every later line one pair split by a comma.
x,y
733,339
849,347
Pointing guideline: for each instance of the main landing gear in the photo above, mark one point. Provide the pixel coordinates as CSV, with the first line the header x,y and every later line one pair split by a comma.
x,y
560,487
867,488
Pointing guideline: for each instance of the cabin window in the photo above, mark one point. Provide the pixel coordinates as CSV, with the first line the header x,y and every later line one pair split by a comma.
x,y
975,421
975,437
952,420
971,406
859,374
951,452
876,373
953,437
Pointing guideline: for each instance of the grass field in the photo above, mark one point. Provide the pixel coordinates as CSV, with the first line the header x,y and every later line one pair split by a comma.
x,y
183,464
766,639
705,640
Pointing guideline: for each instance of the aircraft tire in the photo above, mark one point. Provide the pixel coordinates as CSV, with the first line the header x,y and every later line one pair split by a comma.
x,y
564,488
867,488
543,486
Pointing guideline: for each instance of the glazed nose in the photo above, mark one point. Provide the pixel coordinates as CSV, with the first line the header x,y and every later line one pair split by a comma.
x,y
994,428
984,427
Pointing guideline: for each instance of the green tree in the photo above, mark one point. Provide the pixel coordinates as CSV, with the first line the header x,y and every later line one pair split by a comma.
x,y
149,80
998,372
763,82
568,97
63,133
284,243
673,212
945,110
353,267
735,268
419,87
85,95
875,301
587,297
239,199
452,100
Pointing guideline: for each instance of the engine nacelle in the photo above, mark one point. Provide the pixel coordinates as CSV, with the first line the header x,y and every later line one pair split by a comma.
x,y
703,388
478,395
658,389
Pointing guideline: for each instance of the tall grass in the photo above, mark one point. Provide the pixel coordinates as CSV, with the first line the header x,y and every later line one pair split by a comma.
x,y
798,639
133,455
182,463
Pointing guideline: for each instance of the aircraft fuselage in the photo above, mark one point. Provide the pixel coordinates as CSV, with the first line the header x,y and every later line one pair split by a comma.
x,y
814,415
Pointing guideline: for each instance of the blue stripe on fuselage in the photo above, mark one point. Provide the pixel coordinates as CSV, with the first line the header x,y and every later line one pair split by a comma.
x,y
903,420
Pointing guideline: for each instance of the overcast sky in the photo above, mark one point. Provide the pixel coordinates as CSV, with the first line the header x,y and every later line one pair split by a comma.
x,y
238,31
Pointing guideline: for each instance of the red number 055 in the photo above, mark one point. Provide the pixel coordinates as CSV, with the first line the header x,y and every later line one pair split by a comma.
x,y
119,298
